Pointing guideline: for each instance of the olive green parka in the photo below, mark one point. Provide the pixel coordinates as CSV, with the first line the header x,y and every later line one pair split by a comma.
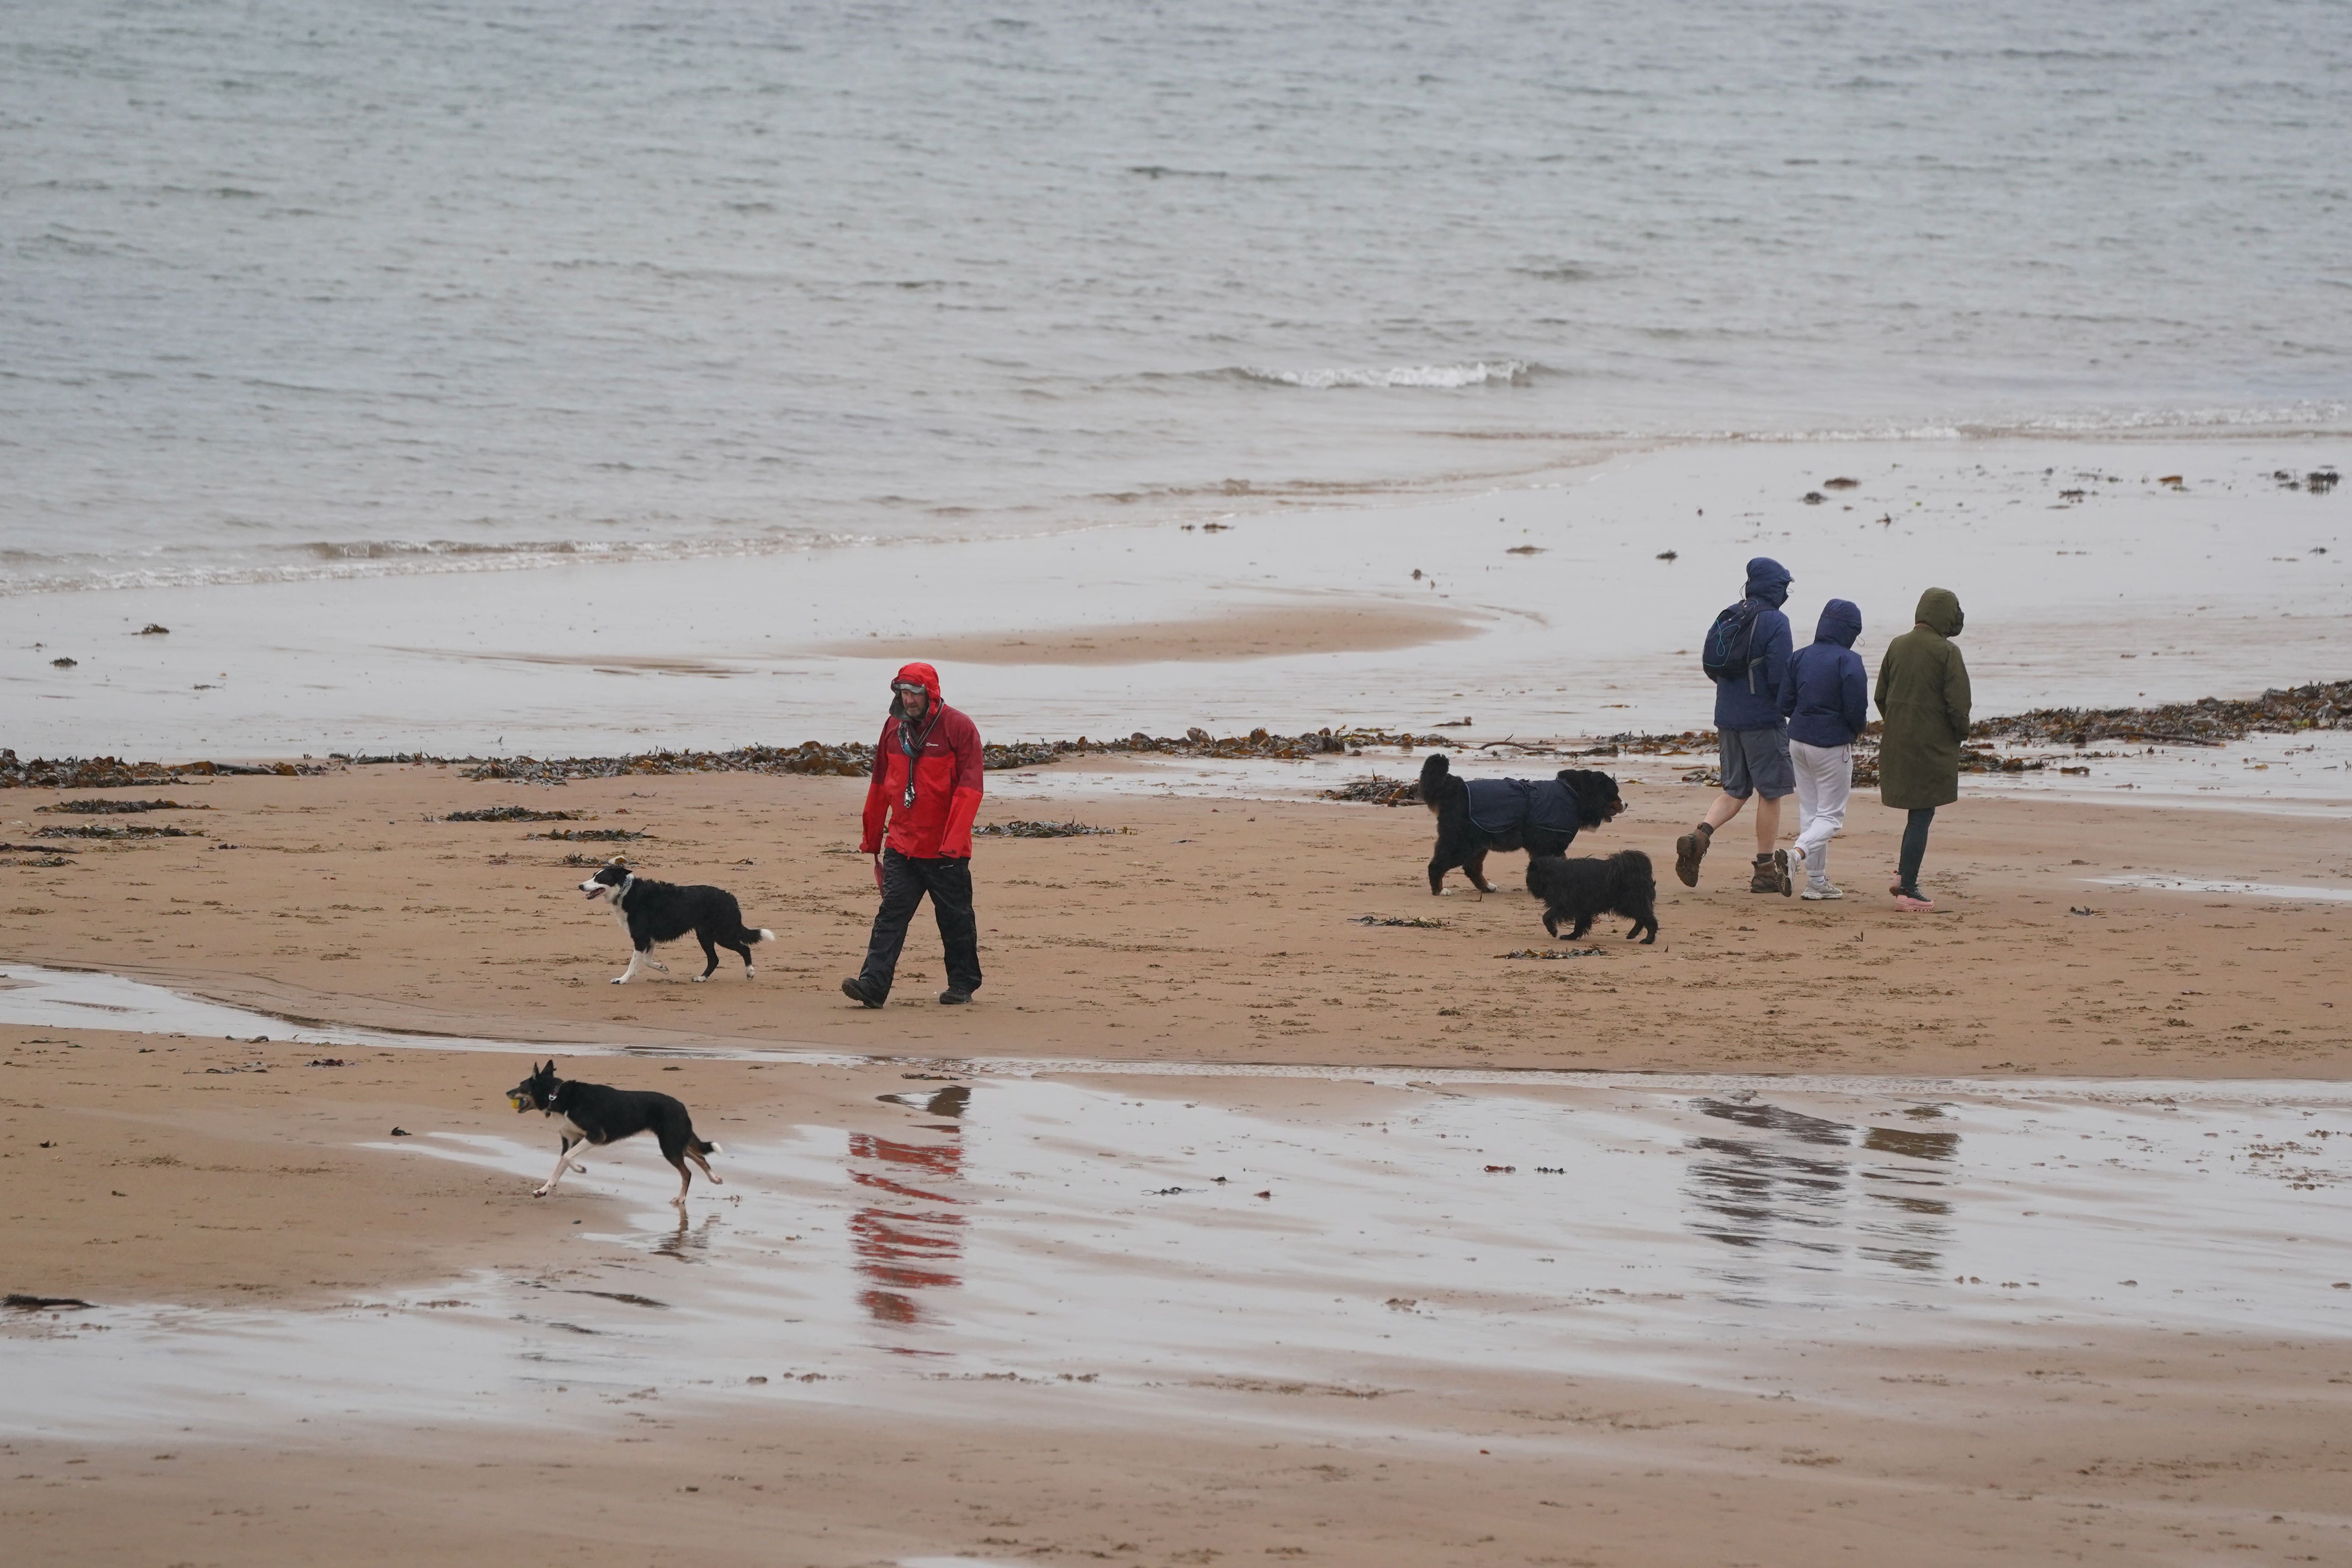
x,y
1923,695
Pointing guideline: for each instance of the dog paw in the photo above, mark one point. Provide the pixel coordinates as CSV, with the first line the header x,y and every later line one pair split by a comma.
x,y
698,978
620,979
541,1192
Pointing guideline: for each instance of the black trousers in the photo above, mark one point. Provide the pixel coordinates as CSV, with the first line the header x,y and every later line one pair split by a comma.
x,y
1915,846
904,880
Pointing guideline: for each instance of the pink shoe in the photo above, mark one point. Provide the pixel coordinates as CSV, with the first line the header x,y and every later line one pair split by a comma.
x,y
1905,901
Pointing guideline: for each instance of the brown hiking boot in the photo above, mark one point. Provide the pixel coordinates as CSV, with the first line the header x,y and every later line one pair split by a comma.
x,y
1689,850
1772,875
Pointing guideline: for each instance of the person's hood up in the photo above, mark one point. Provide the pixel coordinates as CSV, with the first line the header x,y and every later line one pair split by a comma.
x,y
1768,580
1840,623
921,672
1939,612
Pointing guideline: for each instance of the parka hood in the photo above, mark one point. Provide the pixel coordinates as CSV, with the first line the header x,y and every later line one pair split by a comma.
x,y
1840,623
1768,580
923,673
1939,612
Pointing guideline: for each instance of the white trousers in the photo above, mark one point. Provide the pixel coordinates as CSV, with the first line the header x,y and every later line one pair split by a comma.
x,y
1825,779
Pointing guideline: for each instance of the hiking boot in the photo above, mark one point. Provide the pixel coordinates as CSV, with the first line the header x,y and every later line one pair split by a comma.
x,y
1689,850
855,989
954,998
1771,874
1820,890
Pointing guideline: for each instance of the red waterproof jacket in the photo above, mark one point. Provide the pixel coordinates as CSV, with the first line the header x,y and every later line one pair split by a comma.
x,y
947,782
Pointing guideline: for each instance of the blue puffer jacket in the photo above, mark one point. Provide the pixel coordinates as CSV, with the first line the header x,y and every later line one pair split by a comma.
x,y
1826,694
1753,701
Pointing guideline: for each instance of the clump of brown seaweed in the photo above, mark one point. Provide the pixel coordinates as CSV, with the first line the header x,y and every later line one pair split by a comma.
x,y
97,807
113,772
513,814
2207,721
591,835
1378,790
1019,829
96,830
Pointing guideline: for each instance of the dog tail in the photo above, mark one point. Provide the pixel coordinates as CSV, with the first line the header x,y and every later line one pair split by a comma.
x,y
758,933
704,1146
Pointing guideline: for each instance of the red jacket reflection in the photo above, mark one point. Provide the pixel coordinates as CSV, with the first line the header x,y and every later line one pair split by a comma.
x,y
937,824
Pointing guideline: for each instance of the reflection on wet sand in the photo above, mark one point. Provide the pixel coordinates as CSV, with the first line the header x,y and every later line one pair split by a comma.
x,y
1775,1190
901,1248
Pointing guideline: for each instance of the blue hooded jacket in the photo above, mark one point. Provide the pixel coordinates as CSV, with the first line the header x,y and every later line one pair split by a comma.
x,y
1825,693
1753,701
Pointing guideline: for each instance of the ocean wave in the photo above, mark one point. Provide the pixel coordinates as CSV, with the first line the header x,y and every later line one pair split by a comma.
x,y
338,560
1478,372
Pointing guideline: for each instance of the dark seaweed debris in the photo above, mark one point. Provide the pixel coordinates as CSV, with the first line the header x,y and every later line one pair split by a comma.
x,y
1378,790
99,807
2209,721
592,835
512,814
113,772
1546,952
36,849
855,759
1043,831
1418,922
97,830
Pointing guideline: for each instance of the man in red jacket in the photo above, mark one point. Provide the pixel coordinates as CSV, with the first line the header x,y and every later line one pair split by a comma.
x,y
926,787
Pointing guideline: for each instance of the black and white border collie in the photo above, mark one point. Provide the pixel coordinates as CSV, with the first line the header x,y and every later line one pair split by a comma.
x,y
593,1114
653,912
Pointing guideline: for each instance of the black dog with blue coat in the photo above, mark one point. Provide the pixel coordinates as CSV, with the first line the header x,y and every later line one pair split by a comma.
x,y
1478,816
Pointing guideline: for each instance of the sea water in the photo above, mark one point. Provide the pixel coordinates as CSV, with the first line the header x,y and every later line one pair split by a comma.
x,y
313,287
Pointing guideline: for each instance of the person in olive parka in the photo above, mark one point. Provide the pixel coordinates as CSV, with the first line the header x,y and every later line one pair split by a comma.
x,y
1923,696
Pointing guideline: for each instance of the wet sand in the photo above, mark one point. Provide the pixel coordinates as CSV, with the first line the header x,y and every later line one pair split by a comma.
x,y
1350,624
365,1348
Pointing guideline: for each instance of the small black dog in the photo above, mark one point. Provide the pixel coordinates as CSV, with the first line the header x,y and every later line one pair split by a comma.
x,y
1542,816
653,912
1587,887
594,1114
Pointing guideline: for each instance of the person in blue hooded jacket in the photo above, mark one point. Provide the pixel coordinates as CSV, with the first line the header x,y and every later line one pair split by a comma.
x,y
1752,736
1825,697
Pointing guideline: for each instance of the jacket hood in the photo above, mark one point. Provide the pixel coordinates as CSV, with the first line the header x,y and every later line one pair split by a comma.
x,y
1768,580
1840,623
922,672
1939,612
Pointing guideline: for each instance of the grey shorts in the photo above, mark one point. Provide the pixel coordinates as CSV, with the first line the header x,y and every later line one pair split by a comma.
x,y
1756,761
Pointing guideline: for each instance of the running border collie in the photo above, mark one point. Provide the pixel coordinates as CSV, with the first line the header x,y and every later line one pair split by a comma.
x,y
653,912
594,1114
1462,842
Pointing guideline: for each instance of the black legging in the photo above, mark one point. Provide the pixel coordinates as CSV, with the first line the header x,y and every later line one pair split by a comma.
x,y
1914,845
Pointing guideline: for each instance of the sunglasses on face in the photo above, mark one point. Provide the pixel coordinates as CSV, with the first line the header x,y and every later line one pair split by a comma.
x,y
911,688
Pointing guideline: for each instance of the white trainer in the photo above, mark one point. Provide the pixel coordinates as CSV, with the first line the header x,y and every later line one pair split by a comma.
x,y
1825,891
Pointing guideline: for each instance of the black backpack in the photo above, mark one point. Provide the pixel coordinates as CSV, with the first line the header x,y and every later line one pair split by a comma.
x,y
1729,653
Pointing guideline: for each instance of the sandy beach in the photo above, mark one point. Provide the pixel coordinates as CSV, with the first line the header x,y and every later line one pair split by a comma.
x,y
445,448
1778,1370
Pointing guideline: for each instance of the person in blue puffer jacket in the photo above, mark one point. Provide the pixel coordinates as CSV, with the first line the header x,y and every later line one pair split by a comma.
x,y
1825,697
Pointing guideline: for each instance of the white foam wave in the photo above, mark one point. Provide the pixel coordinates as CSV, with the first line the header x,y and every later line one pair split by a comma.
x,y
1478,372
329,561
